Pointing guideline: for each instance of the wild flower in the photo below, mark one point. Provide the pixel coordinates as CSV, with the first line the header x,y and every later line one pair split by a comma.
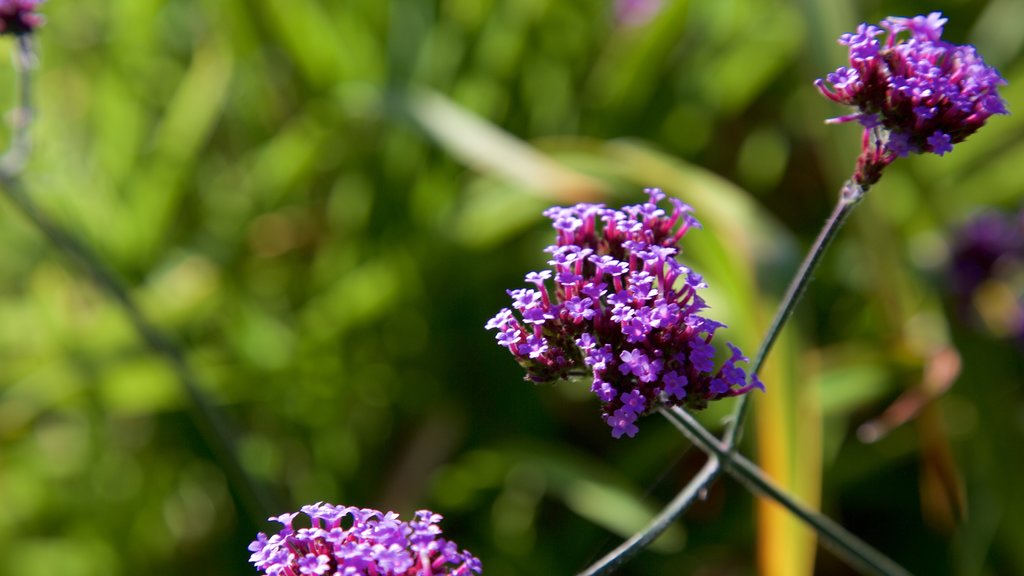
x,y
374,543
617,304
987,269
913,91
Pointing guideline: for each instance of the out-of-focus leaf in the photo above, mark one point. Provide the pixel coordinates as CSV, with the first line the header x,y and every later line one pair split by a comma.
x,y
304,27
588,487
630,68
489,149
493,211
845,388
142,387
191,114
772,33
357,296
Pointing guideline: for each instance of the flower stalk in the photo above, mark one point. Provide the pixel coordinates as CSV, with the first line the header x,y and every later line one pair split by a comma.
x,y
849,547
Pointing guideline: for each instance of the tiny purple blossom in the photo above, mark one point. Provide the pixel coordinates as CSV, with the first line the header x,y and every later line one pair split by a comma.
x,y
702,355
604,391
535,346
503,317
940,143
633,401
310,564
599,358
675,384
586,341
622,422
509,337
284,519
636,329
538,277
594,289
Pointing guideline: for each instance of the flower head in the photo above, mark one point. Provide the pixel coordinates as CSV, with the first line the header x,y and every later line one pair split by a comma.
x,y
623,309
986,272
913,92
374,543
19,16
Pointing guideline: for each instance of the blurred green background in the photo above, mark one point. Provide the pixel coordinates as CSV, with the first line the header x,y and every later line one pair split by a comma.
x,y
323,201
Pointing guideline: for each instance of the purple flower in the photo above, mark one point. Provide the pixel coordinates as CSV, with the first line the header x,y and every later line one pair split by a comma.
x,y
622,422
373,543
675,384
987,252
625,309
310,564
19,17
913,91
603,390
633,401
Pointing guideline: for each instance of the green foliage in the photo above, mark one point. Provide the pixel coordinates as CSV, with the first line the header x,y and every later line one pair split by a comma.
x,y
323,202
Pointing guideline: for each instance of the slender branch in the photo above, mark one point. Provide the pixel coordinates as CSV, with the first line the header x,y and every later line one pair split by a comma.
x,y
852,549
216,432
21,117
849,196
694,490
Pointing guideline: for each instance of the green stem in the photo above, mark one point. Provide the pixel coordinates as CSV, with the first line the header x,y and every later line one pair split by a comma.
x,y
853,550
849,196
694,490
216,432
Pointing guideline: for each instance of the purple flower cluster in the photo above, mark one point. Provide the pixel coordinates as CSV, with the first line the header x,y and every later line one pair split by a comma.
x,y
989,252
623,308
374,544
19,16
913,92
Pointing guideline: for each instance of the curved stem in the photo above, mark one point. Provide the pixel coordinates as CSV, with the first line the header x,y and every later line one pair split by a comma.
x,y
693,491
849,196
852,549
216,432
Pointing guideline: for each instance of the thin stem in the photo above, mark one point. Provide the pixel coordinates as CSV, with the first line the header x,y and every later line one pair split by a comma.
x,y
852,549
214,429
849,196
21,117
694,491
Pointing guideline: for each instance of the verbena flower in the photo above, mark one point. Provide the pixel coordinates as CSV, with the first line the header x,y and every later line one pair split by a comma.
x,y
19,16
987,266
617,303
351,541
913,91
